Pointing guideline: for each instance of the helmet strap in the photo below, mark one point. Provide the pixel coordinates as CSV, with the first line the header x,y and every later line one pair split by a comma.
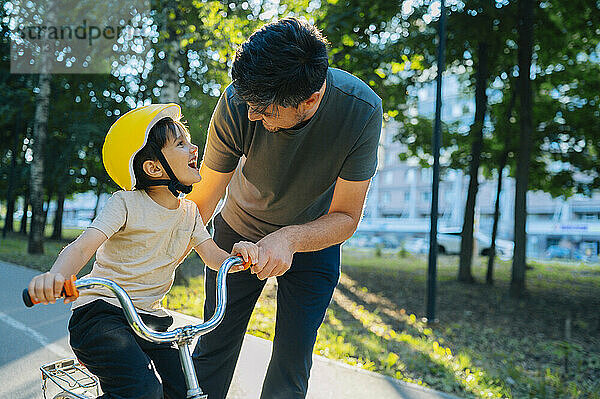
x,y
174,186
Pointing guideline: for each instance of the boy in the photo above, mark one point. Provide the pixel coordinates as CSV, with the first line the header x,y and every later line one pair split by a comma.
x,y
142,234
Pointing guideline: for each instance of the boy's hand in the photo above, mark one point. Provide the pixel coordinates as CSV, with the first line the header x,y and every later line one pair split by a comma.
x,y
247,250
46,288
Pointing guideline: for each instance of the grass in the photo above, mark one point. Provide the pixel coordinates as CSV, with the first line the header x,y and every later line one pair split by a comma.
x,y
510,348
13,249
483,345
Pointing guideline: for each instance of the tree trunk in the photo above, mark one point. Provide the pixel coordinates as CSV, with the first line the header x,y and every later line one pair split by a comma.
x,y
10,195
508,146
98,194
8,218
58,216
525,43
466,242
36,234
23,228
50,195
46,208
489,276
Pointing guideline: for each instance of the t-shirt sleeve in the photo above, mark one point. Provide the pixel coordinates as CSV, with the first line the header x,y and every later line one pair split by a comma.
x,y
200,234
224,142
112,217
361,162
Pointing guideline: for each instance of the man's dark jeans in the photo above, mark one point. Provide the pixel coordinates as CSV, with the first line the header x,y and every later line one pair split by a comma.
x,y
126,365
303,294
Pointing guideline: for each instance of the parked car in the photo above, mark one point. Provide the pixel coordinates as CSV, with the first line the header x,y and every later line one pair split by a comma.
x,y
417,245
558,252
449,243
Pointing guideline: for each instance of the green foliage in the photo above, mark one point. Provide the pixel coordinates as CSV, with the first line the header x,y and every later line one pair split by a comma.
x,y
403,253
566,101
187,298
389,46
84,106
368,39
378,250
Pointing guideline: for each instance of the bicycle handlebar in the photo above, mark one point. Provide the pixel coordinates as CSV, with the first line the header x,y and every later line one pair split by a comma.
x,y
180,334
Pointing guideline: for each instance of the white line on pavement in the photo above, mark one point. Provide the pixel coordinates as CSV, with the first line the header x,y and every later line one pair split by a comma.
x,y
43,341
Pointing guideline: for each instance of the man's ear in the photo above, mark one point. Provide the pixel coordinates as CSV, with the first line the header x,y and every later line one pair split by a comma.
x,y
312,100
152,168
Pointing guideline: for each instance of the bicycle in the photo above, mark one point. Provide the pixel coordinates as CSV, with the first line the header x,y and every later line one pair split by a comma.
x,y
77,382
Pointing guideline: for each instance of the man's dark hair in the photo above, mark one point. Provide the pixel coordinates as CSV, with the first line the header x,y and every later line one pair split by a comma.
x,y
164,130
283,63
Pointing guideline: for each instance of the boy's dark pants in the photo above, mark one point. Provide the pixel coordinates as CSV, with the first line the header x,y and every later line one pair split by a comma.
x,y
126,365
303,294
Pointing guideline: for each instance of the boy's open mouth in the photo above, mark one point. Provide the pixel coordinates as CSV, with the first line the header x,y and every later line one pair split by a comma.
x,y
193,163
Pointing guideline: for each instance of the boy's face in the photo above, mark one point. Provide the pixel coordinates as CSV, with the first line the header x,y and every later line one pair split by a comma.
x,y
182,156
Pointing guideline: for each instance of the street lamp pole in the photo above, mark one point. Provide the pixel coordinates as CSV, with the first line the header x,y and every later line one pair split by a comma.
x,y
437,142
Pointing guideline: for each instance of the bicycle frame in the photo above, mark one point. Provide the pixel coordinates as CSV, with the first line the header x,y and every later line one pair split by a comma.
x,y
183,336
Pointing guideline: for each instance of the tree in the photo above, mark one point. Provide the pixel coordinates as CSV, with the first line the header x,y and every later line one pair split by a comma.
x,y
501,146
15,105
36,234
559,110
525,43
478,33
466,242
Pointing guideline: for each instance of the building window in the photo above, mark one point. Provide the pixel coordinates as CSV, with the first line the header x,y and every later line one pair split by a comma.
x,y
426,196
588,216
389,178
540,217
390,158
427,175
386,198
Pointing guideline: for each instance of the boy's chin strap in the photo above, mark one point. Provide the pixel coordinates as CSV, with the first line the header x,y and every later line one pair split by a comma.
x,y
174,186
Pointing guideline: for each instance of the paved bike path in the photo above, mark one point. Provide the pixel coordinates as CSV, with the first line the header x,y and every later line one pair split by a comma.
x,y
31,337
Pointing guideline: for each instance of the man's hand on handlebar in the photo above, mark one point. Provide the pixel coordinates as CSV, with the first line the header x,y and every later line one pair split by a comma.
x,y
275,256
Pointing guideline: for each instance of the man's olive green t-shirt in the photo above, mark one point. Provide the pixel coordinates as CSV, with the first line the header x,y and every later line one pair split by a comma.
x,y
288,177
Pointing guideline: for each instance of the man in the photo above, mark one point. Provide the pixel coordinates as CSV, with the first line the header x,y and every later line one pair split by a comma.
x,y
296,142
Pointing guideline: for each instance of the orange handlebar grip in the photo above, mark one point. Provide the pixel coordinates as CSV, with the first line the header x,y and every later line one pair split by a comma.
x,y
246,264
69,289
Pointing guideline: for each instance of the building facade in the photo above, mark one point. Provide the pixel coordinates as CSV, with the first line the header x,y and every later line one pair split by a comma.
x,y
399,200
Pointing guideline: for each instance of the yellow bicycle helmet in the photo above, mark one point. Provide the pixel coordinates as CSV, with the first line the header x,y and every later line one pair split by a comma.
x,y
128,135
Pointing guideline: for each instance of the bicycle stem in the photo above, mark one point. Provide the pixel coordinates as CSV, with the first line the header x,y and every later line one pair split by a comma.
x,y
193,388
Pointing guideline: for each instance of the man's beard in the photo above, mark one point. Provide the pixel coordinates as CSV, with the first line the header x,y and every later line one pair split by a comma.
x,y
270,129
300,119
